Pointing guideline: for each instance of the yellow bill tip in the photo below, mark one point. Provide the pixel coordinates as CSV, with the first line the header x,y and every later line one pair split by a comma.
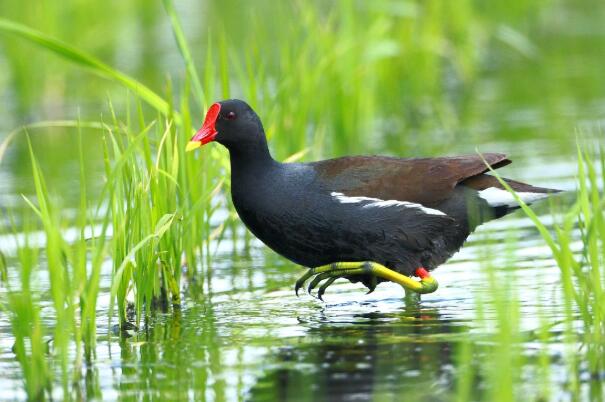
x,y
191,145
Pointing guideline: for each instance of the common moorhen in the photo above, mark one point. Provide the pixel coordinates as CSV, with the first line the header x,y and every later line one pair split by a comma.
x,y
363,218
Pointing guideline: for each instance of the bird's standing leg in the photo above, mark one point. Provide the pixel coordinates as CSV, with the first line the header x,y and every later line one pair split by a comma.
x,y
331,272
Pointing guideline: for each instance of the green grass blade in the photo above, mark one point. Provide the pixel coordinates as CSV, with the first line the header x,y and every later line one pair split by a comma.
x,y
181,41
161,227
49,124
83,59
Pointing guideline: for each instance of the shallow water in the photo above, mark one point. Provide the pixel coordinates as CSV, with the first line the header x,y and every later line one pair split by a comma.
x,y
242,334
250,337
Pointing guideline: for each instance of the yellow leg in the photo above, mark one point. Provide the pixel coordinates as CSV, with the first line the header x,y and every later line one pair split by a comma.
x,y
331,272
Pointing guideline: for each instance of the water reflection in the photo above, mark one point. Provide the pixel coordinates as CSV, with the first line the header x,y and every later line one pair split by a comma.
x,y
373,355
172,357
344,351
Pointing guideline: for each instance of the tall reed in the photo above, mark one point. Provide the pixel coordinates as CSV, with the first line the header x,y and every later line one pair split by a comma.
x,y
582,274
22,306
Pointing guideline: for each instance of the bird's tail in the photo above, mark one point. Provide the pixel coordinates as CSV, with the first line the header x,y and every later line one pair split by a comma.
x,y
500,199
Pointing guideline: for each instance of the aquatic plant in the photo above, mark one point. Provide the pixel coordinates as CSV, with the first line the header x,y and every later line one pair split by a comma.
x,y
582,283
150,186
23,307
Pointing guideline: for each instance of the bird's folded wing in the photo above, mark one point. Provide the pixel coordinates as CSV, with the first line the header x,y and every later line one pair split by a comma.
x,y
426,181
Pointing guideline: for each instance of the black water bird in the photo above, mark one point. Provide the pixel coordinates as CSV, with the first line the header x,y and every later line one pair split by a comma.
x,y
363,218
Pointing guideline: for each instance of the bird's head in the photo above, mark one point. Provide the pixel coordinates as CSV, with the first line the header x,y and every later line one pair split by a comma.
x,y
232,123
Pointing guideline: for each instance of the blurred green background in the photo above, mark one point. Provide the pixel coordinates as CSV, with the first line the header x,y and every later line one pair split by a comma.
x,y
401,77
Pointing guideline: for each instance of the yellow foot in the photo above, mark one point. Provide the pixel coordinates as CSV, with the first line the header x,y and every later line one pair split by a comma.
x,y
331,272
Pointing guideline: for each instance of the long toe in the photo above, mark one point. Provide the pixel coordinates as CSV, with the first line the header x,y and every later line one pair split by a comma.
x,y
322,288
371,284
320,277
301,281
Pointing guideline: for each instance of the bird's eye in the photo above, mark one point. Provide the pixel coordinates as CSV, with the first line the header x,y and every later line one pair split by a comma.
x,y
231,116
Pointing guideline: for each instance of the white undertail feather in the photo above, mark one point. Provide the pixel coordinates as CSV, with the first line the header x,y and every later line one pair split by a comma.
x,y
497,197
378,203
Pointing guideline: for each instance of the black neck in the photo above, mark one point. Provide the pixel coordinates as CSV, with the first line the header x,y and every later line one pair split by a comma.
x,y
250,156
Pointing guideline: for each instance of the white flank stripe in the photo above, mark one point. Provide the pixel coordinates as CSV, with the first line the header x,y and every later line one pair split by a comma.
x,y
497,197
378,203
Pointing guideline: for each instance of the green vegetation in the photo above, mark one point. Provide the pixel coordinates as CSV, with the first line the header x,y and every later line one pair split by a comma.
x,y
24,311
115,214
583,328
582,275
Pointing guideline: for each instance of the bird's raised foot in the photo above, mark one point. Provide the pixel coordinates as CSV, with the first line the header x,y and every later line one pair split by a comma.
x,y
329,273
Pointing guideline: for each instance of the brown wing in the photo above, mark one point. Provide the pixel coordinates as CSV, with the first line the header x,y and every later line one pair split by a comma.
x,y
427,181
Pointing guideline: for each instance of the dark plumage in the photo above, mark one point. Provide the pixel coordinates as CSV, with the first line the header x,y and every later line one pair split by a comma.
x,y
401,213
